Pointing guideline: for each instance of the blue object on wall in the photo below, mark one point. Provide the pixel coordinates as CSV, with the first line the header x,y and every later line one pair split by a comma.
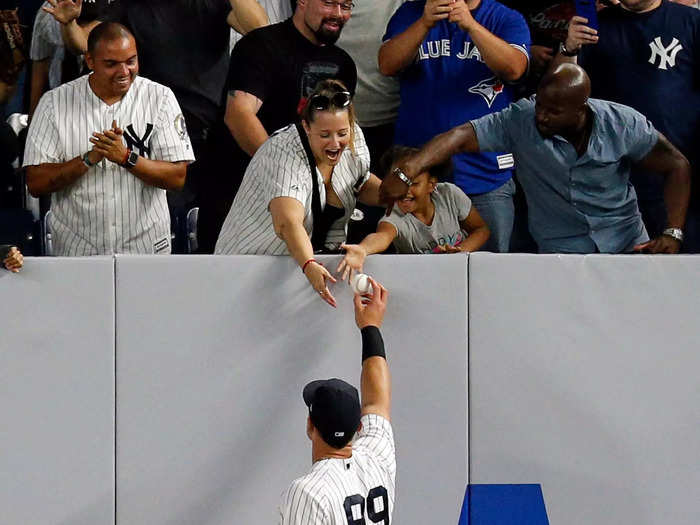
x,y
503,505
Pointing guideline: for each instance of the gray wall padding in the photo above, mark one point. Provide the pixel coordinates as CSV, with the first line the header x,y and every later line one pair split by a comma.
x,y
584,378
57,393
213,353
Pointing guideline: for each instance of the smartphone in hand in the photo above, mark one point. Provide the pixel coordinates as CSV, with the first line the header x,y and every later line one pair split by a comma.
x,y
587,9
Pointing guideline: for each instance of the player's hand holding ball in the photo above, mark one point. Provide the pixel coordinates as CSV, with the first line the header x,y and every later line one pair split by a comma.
x,y
369,309
355,255
318,277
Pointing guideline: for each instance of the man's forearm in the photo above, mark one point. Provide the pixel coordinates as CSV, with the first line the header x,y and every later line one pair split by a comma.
x,y
248,131
161,174
247,15
504,60
75,37
441,148
398,53
51,177
677,194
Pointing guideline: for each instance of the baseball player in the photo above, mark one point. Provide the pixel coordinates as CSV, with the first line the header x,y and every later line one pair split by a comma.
x,y
107,146
350,482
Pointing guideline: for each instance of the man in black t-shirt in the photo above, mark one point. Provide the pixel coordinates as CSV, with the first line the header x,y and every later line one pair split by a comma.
x,y
272,69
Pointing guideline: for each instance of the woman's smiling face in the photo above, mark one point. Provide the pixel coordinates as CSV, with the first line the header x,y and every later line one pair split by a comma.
x,y
329,135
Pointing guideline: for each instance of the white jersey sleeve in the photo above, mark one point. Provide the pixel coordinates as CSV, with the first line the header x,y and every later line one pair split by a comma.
x,y
170,139
43,141
286,171
377,439
301,506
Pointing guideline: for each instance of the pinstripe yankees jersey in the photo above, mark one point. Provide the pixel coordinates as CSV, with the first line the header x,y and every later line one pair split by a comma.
x,y
108,210
280,168
353,491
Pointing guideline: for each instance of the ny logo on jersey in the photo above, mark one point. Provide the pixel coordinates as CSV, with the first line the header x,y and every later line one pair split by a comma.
x,y
489,89
666,55
133,141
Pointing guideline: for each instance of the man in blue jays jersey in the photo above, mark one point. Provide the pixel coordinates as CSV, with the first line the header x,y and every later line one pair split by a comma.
x,y
457,60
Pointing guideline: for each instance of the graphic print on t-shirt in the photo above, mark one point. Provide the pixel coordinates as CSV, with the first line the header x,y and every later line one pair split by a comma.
x,y
315,72
489,89
666,55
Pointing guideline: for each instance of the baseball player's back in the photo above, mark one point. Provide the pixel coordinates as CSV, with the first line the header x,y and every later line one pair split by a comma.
x,y
351,491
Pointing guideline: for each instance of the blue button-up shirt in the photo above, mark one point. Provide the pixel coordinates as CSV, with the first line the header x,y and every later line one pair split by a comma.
x,y
576,204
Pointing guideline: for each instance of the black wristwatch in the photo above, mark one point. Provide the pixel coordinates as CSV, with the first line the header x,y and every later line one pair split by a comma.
x,y
566,52
131,160
86,160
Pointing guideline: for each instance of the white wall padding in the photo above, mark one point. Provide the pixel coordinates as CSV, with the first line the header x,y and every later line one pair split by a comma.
x,y
214,352
57,393
584,378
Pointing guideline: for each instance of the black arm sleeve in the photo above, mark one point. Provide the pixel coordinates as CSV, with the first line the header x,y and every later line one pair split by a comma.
x,y
372,343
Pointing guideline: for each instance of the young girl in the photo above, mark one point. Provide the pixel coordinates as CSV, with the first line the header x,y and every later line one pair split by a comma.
x,y
431,218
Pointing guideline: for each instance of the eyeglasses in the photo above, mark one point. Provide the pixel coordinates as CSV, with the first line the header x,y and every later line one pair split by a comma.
x,y
340,100
344,6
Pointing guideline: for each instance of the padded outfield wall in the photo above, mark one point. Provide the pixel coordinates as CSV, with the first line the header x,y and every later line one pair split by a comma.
x,y
166,390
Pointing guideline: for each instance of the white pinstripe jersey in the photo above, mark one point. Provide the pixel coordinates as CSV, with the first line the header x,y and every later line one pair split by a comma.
x,y
354,491
108,210
47,42
280,168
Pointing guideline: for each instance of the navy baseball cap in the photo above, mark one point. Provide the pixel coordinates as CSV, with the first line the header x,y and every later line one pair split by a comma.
x,y
334,408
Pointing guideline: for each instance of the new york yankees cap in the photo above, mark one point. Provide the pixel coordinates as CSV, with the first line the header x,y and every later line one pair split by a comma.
x,y
334,408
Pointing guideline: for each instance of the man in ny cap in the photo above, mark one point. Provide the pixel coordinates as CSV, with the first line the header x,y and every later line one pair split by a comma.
x,y
350,481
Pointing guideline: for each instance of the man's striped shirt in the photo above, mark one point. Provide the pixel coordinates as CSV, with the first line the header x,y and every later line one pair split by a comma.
x,y
360,489
108,210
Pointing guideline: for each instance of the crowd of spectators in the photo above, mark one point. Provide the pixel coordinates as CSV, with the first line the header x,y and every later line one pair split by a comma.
x,y
278,112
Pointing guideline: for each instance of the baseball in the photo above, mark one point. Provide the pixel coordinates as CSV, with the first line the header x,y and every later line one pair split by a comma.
x,y
360,284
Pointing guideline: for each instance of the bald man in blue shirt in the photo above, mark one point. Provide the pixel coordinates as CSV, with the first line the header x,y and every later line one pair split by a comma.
x,y
574,156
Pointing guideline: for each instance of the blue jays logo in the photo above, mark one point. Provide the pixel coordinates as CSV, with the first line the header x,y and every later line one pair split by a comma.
x,y
489,89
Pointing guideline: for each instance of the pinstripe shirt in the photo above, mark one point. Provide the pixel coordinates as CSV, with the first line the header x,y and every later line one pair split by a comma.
x,y
108,210
280,168
359,489
47,42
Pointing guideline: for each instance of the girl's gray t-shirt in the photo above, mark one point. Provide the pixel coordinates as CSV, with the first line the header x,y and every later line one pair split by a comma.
x,y
452,206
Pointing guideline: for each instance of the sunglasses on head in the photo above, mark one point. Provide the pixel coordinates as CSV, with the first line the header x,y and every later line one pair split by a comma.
x,y
341,99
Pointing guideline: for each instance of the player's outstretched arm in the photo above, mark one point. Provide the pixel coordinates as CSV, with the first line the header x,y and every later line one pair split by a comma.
x,y
375,380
